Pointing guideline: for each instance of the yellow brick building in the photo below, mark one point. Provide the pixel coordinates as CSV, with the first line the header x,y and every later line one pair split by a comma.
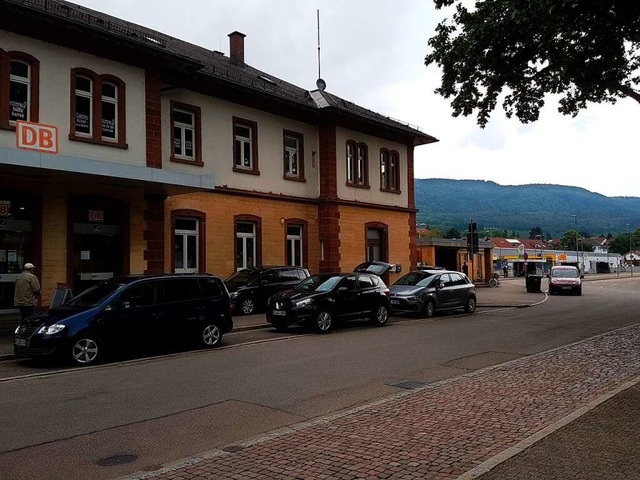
x,y
162,156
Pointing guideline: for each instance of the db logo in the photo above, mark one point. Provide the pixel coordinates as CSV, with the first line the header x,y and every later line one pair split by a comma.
x,y
36,136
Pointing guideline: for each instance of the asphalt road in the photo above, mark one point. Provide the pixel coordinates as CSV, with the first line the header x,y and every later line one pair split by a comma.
x,y
64,423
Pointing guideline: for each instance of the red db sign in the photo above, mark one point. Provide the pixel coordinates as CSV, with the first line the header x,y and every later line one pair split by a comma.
x,y
36,136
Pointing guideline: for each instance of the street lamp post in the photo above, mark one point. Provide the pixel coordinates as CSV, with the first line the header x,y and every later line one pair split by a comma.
x,y
630,254
575,218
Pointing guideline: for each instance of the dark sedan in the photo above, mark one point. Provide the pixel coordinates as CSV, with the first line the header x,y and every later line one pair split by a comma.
x,y
323,300
424,292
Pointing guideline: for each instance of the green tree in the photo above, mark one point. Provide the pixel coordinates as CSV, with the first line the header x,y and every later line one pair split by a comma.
x,y
568,240
620,243
535,232
452,233
585,51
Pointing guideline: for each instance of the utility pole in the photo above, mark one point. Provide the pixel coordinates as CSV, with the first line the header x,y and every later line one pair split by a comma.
x,y
472,244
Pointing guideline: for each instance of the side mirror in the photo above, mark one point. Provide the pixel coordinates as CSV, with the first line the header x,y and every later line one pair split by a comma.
x,y
343,289
264,282
125,305
581,276
440,286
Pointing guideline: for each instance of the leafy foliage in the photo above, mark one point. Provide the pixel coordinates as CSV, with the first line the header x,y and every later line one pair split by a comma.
x,y
535,233
446,204
452,233
624,242
584,50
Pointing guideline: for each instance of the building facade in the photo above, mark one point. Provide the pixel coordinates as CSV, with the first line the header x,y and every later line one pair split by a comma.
x,y
123,150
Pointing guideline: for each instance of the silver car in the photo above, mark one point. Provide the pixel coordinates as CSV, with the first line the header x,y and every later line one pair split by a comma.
x,y
425,292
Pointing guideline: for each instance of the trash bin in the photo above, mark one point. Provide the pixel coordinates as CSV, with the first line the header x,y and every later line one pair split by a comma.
x,y
533,283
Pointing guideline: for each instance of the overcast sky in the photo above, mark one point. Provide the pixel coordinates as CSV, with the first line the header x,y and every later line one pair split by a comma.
x,y
372,53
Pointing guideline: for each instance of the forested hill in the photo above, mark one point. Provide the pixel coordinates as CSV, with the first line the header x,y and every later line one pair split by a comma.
x,y
449,204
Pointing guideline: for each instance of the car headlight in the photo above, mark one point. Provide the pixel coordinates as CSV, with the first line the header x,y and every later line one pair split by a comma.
x,y
51,329
303,303
412,298
233,295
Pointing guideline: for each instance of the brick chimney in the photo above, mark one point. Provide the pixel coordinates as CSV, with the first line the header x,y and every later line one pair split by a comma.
x,y
236,47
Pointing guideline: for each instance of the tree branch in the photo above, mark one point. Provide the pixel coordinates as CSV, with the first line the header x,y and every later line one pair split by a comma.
x,y
630,92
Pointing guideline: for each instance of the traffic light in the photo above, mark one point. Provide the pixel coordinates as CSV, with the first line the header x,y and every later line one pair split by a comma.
x,y
472,238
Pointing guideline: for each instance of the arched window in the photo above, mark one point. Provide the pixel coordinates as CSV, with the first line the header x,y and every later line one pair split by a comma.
x,y
389,170
97,108
19,88
357,164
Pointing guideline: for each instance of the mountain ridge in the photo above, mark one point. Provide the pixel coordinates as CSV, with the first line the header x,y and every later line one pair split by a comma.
x,y
446,203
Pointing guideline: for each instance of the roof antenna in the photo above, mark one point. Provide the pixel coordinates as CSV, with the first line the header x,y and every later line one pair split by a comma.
x,y
320,83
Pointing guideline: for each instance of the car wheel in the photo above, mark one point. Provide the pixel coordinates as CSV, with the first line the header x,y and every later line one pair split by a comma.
x,y
210,335
324,322
470,306
86,350
247,306
279,326
429,309
380,316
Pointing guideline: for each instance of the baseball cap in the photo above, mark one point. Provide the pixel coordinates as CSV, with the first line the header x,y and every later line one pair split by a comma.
x,y
29,266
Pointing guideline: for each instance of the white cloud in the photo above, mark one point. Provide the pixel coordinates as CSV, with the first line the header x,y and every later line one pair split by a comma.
x,y
372,54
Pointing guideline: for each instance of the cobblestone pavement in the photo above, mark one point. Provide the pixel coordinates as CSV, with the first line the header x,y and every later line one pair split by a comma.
x,y
446,430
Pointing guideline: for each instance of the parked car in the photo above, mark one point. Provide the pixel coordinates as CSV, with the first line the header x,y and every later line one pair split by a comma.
x,y
325,299
251,287
425,292
565,278
129,312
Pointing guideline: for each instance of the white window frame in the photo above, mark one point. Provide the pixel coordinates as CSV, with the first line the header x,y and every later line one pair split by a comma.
x,y
244,236
89,95
246,143
291,156
184,127
114,101
294,243
185,234
25,81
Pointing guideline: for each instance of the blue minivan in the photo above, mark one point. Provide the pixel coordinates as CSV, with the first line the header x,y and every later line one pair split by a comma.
x,y
129,313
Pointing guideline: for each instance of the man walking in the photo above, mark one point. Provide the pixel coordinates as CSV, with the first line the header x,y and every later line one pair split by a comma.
x,y
27,291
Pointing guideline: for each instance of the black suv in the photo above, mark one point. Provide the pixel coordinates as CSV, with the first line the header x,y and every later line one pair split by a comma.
x,y
322,300
251,287
129,312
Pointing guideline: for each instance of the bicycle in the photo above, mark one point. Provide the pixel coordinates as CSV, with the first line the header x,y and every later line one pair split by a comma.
x,y
494,281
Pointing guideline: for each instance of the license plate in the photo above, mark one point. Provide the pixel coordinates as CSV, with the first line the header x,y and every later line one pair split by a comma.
x,y
567,287
279,313
20,342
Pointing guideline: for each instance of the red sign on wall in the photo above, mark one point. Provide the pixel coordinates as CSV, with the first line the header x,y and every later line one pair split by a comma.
x,y
36,136
96,216
5,208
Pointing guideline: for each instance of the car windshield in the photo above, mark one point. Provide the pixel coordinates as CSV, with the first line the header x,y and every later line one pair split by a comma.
x,y
377,268
243,276
416,279
562,273
318,283
94,296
